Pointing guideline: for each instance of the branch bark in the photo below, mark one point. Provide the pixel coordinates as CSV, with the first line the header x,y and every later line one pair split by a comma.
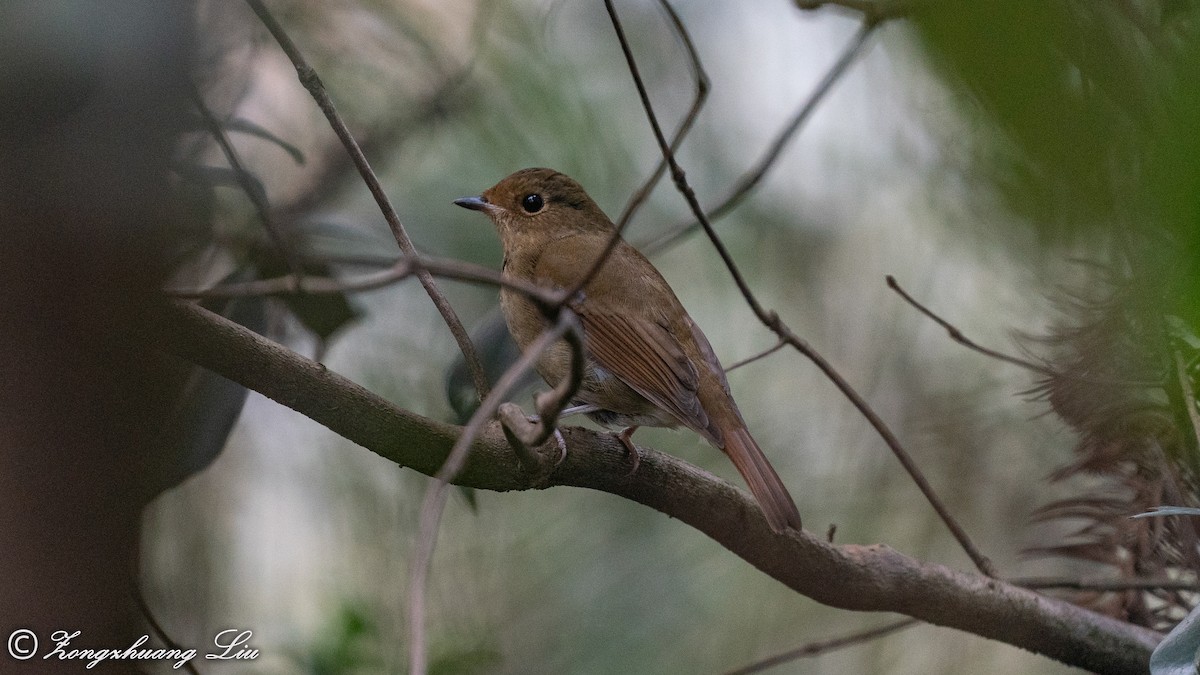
x,y
853,577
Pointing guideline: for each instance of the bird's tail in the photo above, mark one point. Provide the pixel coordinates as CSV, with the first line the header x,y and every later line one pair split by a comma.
x,y
764,483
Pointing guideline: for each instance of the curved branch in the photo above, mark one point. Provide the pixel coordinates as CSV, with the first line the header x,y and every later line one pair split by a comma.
x,y
853,577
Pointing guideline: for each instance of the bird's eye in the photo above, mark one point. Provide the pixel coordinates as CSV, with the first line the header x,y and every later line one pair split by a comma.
x,y
532,203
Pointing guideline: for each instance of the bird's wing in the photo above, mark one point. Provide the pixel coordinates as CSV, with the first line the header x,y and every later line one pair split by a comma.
x,y
647,357
634,343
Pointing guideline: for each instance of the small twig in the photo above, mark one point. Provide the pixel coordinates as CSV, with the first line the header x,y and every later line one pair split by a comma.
x,y
771,320
385,139
639,197
400,269
248,184
822,646
702,88
957,335
1135,584
982,563
432,506
550,404
761,355
752,178
310,80
288,284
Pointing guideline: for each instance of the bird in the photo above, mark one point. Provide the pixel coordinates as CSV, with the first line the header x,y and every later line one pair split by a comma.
x,y
647,363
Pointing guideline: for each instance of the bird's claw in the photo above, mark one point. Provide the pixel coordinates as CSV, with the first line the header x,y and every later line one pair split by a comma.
x,y
630,448
562,447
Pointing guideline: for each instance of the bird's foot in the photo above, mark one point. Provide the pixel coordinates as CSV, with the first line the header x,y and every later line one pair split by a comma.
x,y
562,447
630,448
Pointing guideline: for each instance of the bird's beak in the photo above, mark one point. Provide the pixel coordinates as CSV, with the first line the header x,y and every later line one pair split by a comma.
x,y
474,203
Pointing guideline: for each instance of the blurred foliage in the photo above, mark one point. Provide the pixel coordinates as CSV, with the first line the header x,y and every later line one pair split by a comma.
x,y
348,644
1091,124
465,660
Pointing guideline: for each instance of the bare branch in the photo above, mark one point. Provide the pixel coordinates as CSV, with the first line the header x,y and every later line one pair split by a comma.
x,y
702,87
1085,584
771,320
289,284
823,646
957,335
400,269
750,180
647,187
551,403
310,80
982,563
861,578
761,355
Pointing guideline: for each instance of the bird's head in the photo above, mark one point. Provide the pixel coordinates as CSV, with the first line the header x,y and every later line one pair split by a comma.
x,y
538,204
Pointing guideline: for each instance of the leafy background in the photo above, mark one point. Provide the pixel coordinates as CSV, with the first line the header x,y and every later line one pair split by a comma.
x,y
931,160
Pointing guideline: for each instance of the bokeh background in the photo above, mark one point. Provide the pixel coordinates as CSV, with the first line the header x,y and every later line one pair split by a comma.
x,y
305,538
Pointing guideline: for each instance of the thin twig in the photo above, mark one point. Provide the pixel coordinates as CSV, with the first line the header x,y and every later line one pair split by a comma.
x,y
761,355
771,320
310,80
702,88
434,502
751,179
982,563
288,284
702,84
822,646
549,404
1136,584
957,335
248,183
400,269
385,139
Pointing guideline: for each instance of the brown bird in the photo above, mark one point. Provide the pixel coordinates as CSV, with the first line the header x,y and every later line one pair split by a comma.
x,y
648,364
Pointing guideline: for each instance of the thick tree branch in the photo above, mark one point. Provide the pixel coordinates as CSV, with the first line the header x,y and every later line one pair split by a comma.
x,y
861,578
